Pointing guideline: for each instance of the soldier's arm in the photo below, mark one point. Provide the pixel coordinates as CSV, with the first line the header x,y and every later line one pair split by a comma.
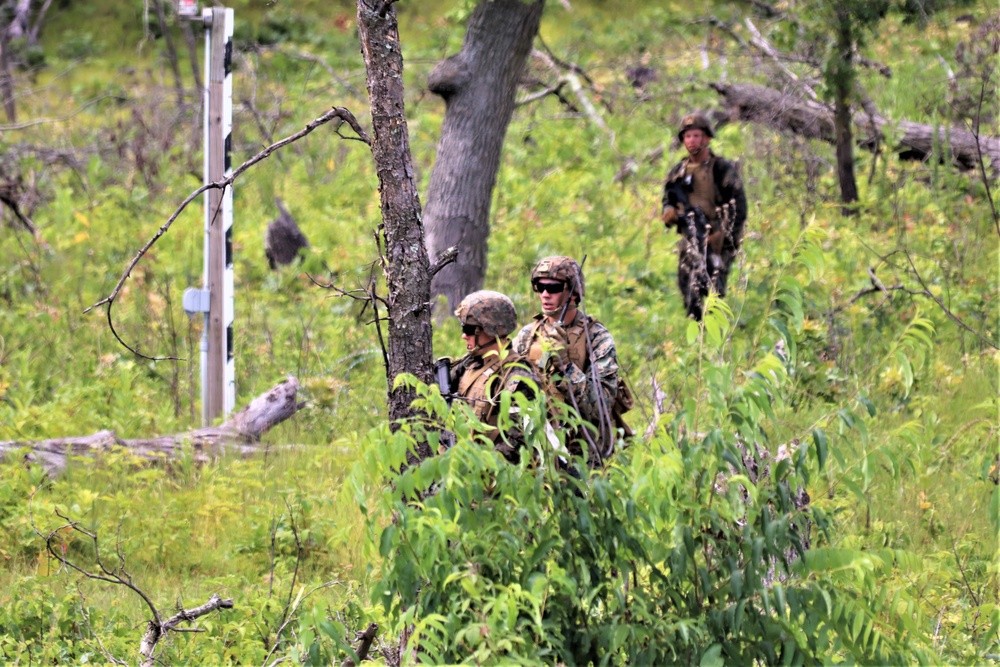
x,y
605,363
522,341
674,198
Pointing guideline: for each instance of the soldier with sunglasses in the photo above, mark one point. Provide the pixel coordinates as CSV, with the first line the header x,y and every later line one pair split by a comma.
x,y
575,355
488,318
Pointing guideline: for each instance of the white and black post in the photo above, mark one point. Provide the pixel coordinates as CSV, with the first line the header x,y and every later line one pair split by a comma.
x,y
218,377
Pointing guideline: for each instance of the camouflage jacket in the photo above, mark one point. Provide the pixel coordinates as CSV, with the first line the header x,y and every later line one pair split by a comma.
x,y
726,186
576,377
479,381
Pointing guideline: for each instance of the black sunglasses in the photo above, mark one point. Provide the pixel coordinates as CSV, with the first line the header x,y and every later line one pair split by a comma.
x,y
470,329
551,288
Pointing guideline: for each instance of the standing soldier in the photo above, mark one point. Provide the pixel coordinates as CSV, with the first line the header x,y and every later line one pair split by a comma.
x,y
575,355
488,318
710,184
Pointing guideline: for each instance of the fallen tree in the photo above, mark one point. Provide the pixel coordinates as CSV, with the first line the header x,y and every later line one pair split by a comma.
x,y
754,103
238,435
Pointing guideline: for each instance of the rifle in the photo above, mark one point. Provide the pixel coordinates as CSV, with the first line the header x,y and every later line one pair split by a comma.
x,y
694,214
572,288
442,373
605,426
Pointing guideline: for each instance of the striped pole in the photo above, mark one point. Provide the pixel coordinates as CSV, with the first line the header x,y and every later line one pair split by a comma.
x,y
218,388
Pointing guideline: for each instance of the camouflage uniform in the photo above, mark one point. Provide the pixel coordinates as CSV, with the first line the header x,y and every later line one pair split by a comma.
x,y
714,186
479,379
574,382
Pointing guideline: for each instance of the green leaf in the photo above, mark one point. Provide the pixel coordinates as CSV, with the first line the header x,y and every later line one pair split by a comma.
x,y
819,437
387,540
865,401
692,332
712,657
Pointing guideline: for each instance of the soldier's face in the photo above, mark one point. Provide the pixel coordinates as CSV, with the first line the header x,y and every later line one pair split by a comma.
x,y
479,339
695,140
551,293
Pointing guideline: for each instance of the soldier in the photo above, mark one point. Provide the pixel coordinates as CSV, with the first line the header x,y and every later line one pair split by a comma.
x,y
712,184
575,355
488,318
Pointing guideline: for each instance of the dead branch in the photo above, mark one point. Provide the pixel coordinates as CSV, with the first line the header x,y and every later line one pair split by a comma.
x,y
117,574
759,104
155,632
61,119
444,259
364,639
570,74
947,311
339,113
765,47
239,435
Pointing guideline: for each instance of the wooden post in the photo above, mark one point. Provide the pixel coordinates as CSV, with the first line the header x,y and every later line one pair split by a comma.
x,y
218,377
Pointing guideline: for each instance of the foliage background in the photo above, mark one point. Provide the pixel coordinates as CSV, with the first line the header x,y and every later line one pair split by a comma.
x,y
902,399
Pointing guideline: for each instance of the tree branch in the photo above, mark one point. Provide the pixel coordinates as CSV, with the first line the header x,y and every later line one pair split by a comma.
x,y
245,428
954,318
444,259
365,639
339,113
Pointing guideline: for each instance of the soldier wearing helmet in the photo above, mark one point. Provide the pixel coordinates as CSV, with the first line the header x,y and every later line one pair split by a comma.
x,y
574,353
711,183
488,318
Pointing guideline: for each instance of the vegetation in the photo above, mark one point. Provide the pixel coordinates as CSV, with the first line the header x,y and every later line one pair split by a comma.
x,y
885,400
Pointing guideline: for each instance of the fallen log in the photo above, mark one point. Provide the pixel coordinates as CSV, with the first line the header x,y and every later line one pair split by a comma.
x,y
238,435
754,103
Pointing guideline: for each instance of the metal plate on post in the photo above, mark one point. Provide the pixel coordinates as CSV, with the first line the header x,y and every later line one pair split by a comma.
x,y
187,8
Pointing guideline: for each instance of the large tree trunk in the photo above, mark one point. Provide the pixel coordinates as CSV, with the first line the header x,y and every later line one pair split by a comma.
x,y
478,86
759,104
407,269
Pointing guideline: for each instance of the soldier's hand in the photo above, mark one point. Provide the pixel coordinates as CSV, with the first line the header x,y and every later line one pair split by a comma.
x,y
669,216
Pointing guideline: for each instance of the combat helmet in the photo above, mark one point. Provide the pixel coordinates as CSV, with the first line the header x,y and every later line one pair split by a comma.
x,y
695,121
491,311
564,269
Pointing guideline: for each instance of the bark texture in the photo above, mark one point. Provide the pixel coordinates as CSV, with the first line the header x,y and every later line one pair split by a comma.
x,y
759,104
478,85
406,267
238,434
843,84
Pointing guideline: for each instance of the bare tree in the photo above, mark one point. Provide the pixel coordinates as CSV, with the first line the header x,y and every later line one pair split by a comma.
x,y
406,265
478,85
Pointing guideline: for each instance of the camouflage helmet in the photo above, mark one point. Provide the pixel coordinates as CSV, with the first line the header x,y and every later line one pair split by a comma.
x,y
695,121
492,311
564,269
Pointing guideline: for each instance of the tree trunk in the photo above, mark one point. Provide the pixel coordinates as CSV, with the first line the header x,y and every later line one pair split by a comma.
x,y
843,84
478,86
168,40
407,269
6,79
916,141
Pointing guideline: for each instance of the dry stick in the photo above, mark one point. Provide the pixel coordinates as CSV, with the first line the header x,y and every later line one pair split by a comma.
x,y
954,318
155,632
119,576
762,44
571,77
982,164
336,112
42,121
365,639
295,608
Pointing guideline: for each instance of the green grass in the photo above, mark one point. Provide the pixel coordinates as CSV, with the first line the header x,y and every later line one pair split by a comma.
x,y
918,482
